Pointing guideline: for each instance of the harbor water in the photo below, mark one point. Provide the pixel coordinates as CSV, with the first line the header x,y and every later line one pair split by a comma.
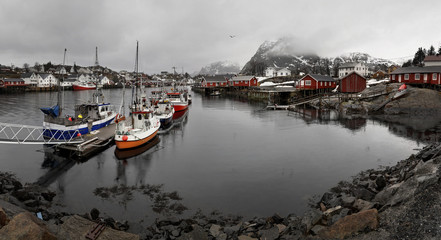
x,y
227,155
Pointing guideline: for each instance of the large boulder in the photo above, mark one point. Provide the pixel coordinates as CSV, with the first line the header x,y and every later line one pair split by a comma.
x,y
352,224
26,226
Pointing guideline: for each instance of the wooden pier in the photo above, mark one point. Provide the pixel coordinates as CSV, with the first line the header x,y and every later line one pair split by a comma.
x,y
93,143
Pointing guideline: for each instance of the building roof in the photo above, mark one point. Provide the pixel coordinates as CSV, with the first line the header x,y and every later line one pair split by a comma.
x,y
26,75
321,78
351,74
216,78
429,69
241,78
432,59
13,80
44,75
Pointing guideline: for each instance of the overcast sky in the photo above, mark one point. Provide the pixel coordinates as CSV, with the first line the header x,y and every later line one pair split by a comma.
x,y
190,34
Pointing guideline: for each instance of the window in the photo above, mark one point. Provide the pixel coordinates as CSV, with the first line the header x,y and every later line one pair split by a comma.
x,y
321,84
434,76
393,77
236,82
417,76
308,82
406,76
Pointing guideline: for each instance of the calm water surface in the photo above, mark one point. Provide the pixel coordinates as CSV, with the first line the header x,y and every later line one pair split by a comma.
x,y
227,155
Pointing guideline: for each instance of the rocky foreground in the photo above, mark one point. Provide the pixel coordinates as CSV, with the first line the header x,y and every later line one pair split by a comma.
x,y
399,202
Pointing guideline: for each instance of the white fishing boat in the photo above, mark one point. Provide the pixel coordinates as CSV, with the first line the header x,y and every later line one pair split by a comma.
x,y
142,125
164,110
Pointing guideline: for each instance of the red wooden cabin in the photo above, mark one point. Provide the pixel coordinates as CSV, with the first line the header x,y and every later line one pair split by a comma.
x,y
417,75
316,81
352,83
214,81
243,81
12,82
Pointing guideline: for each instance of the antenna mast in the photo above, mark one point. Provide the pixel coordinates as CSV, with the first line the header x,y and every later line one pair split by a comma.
x,y
96,57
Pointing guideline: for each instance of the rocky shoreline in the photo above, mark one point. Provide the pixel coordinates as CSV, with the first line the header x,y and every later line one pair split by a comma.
x,y
397,202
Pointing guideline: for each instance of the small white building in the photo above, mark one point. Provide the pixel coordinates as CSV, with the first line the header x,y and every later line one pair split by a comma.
x,y
357,67
277,72
432,61
30,79
46,80
104,80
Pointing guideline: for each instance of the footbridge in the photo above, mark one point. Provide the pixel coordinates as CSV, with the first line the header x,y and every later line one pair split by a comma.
x,y
25,134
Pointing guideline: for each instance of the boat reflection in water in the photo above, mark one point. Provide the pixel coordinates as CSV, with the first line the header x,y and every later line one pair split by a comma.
x,y
132,152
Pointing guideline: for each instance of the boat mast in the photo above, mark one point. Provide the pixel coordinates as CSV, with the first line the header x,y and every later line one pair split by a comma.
x,y
60,97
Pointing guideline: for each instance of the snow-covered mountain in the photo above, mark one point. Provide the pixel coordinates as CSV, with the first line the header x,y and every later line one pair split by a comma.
x,y
222,67
282,53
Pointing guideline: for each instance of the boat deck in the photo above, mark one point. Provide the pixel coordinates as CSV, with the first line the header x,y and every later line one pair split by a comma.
x,y
93,143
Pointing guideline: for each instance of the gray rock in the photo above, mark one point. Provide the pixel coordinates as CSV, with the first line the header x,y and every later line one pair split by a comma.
x,y
198,233
310,219
32,203
215,230
222,236
380,181
343,213
361,205
364,194
347,201
316,229
269,234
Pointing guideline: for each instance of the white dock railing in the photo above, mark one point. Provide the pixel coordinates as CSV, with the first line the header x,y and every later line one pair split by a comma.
x,y
25,134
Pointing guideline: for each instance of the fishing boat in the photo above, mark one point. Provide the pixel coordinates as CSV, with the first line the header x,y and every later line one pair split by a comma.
x,y
142,125
78,86
179,101
164,110
88,117
401,91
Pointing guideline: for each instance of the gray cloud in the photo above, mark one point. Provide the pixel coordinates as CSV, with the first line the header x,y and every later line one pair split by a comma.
x,y
194,33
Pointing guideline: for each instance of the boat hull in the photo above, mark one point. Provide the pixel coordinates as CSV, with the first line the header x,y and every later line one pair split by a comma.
x,y
133,143
81,87
166,121
62,132
178,115
180,107
123,154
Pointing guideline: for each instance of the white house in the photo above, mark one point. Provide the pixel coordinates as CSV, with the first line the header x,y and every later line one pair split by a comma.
x,y
30,79
277,72
46,80
61,70
104,80
432,61
357,67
